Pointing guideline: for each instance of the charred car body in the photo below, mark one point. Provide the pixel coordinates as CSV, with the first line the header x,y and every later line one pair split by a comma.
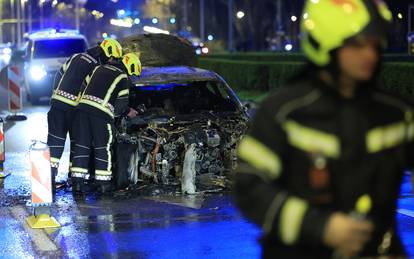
x,y
189,128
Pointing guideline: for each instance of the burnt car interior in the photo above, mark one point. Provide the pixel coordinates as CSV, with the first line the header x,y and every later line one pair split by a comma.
x,y
183,98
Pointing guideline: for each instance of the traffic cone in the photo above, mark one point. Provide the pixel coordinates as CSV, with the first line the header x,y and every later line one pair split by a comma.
x,y
42,196
2,151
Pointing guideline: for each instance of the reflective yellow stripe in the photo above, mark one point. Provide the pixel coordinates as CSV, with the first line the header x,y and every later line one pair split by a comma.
x,y
87,83
386,137
54,160
410,131
260,156
65,100
312,140
87,79
103,172
112,88
291,217
98,106
108,147
79,170
123,92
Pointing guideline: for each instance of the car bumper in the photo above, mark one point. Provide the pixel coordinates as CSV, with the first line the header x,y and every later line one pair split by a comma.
x,y
42,88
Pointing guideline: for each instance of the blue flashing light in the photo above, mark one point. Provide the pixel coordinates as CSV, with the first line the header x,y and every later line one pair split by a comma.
x,y
157,88
120,13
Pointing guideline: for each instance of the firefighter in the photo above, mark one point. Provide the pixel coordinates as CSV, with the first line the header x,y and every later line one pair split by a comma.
x,y
93,125
321,167
67,88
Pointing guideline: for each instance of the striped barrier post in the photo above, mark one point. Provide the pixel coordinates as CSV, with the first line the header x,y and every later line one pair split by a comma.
x,y
2,150
42,196
15,82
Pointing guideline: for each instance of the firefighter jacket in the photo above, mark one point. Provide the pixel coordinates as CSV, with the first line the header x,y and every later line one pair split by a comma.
x,y
311,152
107,86
69,79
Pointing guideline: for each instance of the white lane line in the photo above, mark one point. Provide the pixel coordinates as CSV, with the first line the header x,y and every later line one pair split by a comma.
x,y
38,236
405,212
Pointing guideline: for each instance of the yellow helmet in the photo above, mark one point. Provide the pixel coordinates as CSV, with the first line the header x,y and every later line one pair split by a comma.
x,y
327,24
132,64
111,48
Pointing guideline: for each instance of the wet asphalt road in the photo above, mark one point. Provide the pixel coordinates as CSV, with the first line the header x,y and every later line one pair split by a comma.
x,y
142,224
154,223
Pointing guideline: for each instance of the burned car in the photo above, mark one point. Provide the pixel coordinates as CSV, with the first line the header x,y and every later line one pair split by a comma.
x,y
191,124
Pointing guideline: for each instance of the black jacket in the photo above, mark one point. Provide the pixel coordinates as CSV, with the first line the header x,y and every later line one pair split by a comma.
x,y
108,86
69,79
311,152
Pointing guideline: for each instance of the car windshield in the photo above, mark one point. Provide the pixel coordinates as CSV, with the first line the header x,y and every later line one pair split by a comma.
x,y
58,48
185,98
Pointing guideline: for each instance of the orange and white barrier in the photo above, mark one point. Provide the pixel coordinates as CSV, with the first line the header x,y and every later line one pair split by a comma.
x,y
15,82
15,79
42,196
41,174
2,150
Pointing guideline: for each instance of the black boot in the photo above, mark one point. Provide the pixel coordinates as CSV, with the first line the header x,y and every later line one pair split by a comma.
x,y
54,173
78,186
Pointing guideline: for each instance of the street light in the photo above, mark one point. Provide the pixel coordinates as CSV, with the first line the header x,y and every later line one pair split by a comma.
x,y
173,20
210,37
137,21
288,47
293,18
154,20
400,16
240,14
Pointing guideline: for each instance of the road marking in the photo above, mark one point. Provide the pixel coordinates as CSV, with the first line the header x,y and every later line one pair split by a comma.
x,y
39,237
405,212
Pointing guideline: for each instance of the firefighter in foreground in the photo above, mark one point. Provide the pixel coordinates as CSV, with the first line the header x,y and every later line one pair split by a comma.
x,y
321,167
67,89
93,125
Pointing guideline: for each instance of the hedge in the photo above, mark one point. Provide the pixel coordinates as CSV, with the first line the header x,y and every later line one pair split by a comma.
x,y
291,57
265,76
398,77
260,57
247,75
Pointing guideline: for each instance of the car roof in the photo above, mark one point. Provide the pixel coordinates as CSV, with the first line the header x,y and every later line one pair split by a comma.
x,y
160,75
51,34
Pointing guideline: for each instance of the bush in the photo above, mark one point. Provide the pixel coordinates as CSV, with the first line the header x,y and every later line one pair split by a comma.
x,y
248,75
239,74
265,76
292,57
261,57
398,78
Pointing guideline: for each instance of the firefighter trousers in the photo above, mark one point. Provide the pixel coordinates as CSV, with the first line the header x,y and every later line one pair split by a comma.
x,y
59,125
92,132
